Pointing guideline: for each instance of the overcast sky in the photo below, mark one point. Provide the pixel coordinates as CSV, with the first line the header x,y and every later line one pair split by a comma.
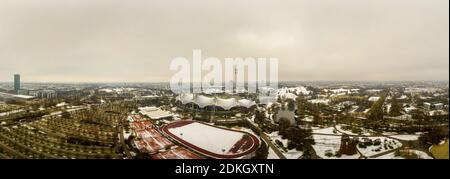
x,y
135,40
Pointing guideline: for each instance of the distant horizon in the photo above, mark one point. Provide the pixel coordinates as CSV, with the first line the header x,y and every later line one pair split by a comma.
x,y
281,81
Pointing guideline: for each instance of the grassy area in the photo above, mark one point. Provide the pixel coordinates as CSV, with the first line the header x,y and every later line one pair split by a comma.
x,y
440,151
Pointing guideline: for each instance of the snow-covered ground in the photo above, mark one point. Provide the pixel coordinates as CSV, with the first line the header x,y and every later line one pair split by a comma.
x,y
348,132
61,104
155,113
374,150
272,154
244,129
275,136
307,119
406,137
326,143
296,90
389,156
212,139
409,109
422,155
329,130
291,154
11,112
329,144
374,98
389,133
317,101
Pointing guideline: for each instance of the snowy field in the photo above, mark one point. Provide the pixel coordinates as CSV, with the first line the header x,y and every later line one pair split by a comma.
x,y
317,101
210,138
329,144
422,155
293,154
290,154
11,112
308,119
349,132
155,113
329,130
378,149
272,154
406,137
274,136
389,156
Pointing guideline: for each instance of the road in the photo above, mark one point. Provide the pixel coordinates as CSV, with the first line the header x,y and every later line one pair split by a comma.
x,y
122,139
274,148
268,141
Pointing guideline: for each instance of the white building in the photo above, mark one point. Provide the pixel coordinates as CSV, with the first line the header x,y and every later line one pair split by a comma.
x,y
155,113
374,98
438,106
427,106
49,94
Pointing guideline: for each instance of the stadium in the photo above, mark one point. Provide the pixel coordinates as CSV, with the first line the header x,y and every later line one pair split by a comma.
x,y
214,103
212,141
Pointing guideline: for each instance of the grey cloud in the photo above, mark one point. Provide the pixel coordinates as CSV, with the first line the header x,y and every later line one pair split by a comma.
x,y
99,40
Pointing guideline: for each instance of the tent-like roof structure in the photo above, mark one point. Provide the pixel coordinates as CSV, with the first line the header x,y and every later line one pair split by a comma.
x,y
203,101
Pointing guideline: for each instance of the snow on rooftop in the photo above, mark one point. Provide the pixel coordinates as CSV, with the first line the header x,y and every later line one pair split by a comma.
x,y
321,101
226,104
328,130
155,113
24,96
208,137
290,96
291,92
272,154
374,90
267,99
340,90
16,96
61,104
374,98
246,103
204,101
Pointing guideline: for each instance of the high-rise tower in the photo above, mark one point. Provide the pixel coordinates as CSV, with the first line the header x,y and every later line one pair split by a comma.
x,y
16,83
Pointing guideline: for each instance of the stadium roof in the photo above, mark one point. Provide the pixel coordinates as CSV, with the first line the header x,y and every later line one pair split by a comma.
x,y
203,101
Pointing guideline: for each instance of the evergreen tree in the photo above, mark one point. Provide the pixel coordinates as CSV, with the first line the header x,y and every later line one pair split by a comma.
x,y
376,111
395,108
300,105
283,125
291,105
260,116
